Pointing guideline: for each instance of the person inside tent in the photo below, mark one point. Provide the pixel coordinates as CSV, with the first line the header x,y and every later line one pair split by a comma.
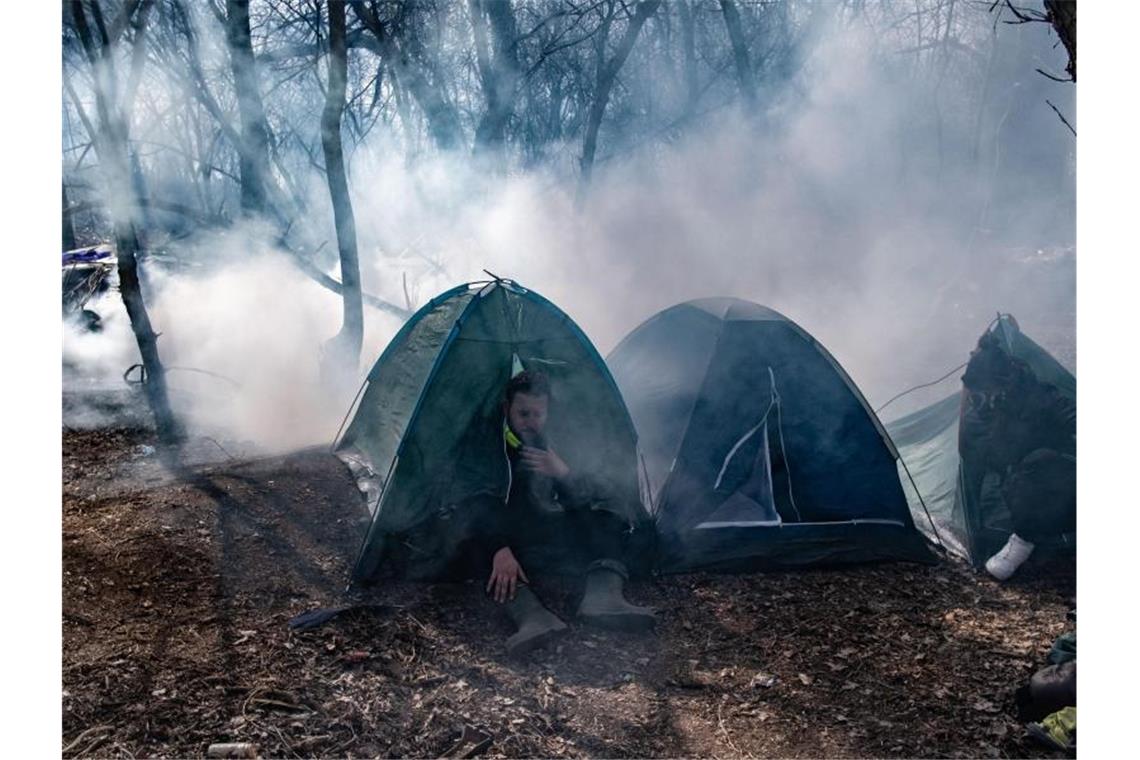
x,y
550,507
1025,431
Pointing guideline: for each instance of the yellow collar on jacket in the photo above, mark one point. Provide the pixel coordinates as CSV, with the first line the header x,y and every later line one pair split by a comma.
x,y
512,440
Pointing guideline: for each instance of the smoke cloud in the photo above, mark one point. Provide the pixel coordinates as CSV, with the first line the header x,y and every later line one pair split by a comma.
x,y
891,233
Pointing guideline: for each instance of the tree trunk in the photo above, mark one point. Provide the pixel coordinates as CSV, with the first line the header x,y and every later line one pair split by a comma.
x,y
68,223
348,341
607,74
499,70
553,129
740,53
689,47
254,145
1062,14
442,118
111,146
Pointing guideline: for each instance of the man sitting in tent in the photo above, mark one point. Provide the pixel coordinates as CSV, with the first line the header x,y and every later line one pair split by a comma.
x,y
1025,431
550,508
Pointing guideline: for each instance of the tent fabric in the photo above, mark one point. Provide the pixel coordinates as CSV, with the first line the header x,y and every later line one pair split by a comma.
x,y
927,441
961,489
759,450
426,441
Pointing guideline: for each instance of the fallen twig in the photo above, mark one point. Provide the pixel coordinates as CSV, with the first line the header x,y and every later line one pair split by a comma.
x,y
471,743
234,749
81,736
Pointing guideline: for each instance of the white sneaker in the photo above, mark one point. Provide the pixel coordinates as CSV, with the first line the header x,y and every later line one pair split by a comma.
x,y
1005,563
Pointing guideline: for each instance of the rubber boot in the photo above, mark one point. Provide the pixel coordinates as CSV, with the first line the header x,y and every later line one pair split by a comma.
x,y
604,605
537,626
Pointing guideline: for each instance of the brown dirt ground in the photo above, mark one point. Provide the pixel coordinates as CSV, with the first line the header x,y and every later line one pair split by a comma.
x,y
178,584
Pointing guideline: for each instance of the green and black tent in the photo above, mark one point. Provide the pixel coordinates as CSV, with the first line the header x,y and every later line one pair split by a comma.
x,y
759,450
949,447
426,439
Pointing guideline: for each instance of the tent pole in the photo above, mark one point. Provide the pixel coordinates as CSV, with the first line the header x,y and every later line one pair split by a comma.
x,y
922,501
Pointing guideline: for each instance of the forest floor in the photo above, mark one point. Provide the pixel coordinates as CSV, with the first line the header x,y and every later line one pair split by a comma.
x,y
178,584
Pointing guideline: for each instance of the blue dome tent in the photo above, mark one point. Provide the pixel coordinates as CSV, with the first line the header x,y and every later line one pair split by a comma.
x,y
759,451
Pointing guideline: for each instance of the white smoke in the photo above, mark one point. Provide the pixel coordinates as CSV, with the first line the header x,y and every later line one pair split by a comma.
x,y
834,211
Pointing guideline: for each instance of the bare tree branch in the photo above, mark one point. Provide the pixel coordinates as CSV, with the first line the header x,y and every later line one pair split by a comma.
x,y
1062,117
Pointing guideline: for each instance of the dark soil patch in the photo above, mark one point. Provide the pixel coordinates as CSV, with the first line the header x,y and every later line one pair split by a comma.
x,y
179,582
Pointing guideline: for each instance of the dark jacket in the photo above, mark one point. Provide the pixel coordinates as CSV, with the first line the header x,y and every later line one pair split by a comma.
x,y
1025,417
533,497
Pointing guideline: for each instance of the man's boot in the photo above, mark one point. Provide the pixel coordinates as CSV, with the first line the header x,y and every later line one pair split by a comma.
x,y
603,603
1012,556
537,626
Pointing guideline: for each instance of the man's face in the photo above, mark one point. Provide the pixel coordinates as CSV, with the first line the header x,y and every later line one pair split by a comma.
x,y
526,415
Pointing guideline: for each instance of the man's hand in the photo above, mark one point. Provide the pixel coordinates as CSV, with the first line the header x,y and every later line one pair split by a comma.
x,y
544,461
506,572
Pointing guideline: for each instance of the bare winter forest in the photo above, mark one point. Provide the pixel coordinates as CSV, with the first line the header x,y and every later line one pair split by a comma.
x,y
888,174
281,184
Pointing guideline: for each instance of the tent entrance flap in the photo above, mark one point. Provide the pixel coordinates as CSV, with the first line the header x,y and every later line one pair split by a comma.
x,y
751,503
